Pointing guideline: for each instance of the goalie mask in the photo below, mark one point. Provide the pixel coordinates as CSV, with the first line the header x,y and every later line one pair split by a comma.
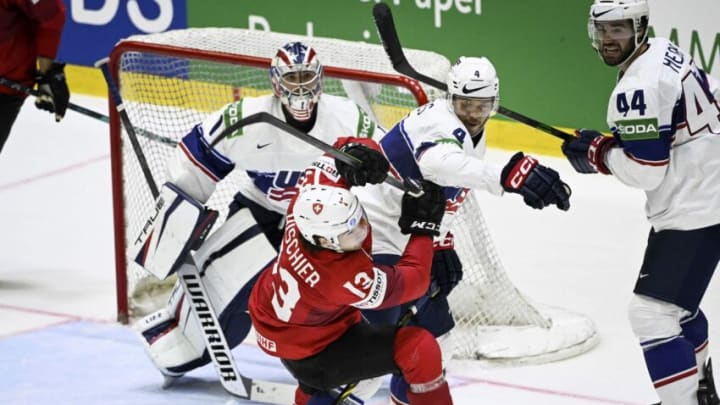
x,y
618,28
296,76
331,218
473,92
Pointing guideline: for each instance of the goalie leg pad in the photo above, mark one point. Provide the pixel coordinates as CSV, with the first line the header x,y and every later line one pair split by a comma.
x,y
271,222
232,259
164,338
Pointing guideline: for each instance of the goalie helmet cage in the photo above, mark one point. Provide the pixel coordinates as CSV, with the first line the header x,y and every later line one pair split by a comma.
x,y
172,80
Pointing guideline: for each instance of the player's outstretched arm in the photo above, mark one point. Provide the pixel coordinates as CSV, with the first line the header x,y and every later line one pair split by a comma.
x,y
420,217
539,185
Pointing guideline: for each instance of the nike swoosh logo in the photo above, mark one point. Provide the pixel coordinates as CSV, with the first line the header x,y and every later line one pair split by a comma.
x,y
467,90
643,275
262,146
596,15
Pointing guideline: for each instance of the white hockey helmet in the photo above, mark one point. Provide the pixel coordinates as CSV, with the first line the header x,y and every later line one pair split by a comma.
x,y
473,91
331,213
296,76
603,12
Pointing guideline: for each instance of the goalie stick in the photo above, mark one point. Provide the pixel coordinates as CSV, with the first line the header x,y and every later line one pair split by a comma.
x,y
391,42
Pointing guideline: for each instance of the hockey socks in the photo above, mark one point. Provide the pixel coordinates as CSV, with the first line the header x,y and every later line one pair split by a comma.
x,y
672,368
418,356
438,395
398,390
695,329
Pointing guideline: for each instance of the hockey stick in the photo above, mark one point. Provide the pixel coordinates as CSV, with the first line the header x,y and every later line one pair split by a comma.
x,y
32,92
124,118
233,381
391,42
129,128
412,187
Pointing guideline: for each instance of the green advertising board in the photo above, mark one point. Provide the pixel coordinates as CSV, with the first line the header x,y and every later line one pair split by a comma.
x,y
547,68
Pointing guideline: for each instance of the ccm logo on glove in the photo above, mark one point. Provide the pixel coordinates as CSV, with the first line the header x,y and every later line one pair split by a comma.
x,y
430,226
520,172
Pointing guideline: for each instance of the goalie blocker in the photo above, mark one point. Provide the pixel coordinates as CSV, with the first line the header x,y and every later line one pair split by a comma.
x,y
178,225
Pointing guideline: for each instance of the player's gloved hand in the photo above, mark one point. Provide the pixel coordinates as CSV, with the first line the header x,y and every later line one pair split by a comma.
x,y
373,167
539,185
53,94
423,214
587,152
447,270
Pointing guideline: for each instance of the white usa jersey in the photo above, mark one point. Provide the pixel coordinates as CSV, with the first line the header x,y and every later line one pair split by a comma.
x,y
273,159
664,116
433,144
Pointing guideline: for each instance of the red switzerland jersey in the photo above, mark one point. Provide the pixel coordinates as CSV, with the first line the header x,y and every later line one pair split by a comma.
x,y
28,29
307,298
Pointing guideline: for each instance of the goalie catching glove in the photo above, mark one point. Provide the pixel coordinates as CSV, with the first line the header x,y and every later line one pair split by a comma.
x,y
422,214
372,166
539,185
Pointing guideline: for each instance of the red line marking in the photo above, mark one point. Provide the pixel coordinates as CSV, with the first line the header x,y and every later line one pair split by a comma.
x,y
55,172
545,391
37,328
67,317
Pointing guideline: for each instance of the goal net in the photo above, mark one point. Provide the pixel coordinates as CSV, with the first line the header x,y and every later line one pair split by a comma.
x,y
171,81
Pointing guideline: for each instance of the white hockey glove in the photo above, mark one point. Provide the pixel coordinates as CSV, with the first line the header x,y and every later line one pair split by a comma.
x,y
178,225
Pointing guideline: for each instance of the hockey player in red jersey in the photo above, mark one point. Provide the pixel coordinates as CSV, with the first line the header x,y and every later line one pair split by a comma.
x,y
31,37
305,306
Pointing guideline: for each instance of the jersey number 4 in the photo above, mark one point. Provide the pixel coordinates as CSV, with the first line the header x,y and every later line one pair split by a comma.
x,y
701,110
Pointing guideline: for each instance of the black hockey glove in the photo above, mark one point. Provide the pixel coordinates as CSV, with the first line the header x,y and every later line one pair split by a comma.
x,y
53,94
373,166
587,152
539,185
446,273
422,215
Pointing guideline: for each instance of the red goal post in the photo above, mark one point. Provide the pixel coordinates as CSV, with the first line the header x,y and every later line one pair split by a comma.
x,y
172,80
